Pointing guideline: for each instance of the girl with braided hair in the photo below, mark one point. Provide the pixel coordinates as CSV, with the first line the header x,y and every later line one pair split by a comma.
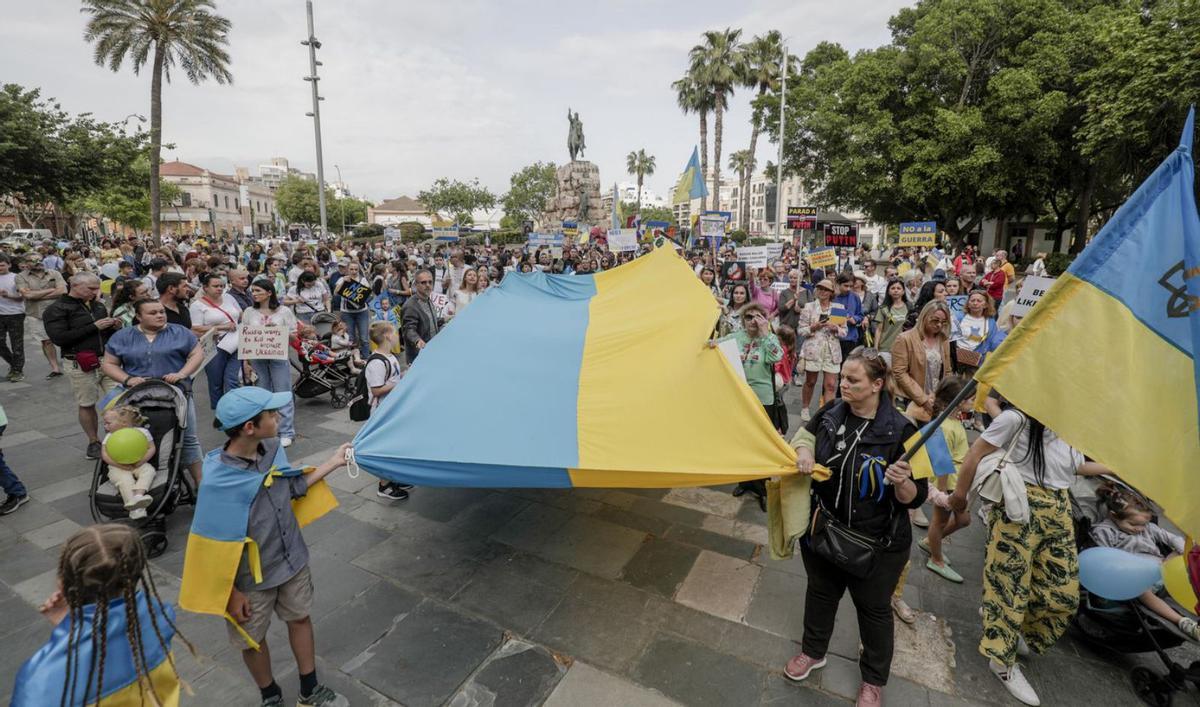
x,y
112,635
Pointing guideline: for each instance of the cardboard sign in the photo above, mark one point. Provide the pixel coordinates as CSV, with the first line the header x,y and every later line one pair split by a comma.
x,y
780,286
840,235
712,226
957,304
622,240
208,344
823,258
918,233
754,256
267,342
354,293
801,217
733,271
1031,293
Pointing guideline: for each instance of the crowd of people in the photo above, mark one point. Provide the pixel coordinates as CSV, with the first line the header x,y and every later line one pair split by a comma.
x,y
878,344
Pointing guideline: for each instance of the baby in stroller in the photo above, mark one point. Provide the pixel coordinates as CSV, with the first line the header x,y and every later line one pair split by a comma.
x,y
315,352
133,480
1130,527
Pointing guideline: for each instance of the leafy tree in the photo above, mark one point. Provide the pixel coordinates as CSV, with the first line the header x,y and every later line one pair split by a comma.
x,y
718,66
742,162
187,33
649,213
458,199
693,98
349,210
640,165
529,188
297,200
370,230
126,198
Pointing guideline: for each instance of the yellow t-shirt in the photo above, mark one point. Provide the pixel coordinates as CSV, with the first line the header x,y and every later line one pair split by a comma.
x,y
956,440
1009,273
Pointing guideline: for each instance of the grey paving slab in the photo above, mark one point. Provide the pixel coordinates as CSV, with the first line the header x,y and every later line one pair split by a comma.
x,y
18,647
56,533
781,692
660,566
839,677
716,542
515,590
77,508
689,623
629,519
778,604
343,536
593,546
488,514
759,647
428,655
532,527
604,624
436,568
585,686
345,635
720,585
30,516
695,674
19,615
21,560
653,508
335,582
518,674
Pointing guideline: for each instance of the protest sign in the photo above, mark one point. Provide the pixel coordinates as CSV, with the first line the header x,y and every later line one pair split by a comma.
x,y
622,240
553,240
801,217
1030,294
774,251
712,226
823,258
918,233
837,313
208,344
391,234
779,286
570,228
354,294
957,304
753,256
267,342
733,271
840,235
441,303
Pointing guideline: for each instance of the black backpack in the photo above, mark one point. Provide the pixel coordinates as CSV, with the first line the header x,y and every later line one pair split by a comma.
x,y
360,402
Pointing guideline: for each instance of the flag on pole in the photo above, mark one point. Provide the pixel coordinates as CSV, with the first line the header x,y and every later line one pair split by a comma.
x,y
1107,358
932,459
691,183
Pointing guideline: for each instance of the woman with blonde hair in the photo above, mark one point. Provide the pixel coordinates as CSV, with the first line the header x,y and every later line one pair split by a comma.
x,y
921,359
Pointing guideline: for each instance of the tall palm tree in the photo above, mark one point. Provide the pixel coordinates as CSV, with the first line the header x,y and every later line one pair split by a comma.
x,y
693,99
641,165
187,33
742,162
718,66
763,56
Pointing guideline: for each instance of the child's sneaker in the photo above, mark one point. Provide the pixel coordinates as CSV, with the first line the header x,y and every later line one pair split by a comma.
x,y
323,697
142,500
137,514
1190,627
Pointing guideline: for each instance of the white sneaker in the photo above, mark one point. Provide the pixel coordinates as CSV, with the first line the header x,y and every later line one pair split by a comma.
x,y
142,500
285,441
1190,627
805,415
1015,682
137,514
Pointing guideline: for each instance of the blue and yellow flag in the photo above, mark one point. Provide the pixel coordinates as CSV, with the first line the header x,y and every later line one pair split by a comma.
x,y
691,183
1107,358
932,459
40,681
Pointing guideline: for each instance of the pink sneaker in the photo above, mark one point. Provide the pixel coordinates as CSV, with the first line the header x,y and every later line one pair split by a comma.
x,y
801,665
869,695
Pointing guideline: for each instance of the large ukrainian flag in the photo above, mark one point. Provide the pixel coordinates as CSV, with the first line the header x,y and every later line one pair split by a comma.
x,y
586,380
1107,358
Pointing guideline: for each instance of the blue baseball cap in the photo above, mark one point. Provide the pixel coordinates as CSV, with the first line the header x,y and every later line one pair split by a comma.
x,y
242,404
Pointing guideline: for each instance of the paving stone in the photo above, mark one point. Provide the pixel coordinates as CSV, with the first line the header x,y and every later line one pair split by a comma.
x,y
706,500
428,655
608,628
592,546
518,674
17,649
759,647
335,582
345,634
77,507
19,615
16,439
839,677
719,585
660,566
905,692
715,542
54,534
647,493
437,568
695,674
225,686
1060,679
443,504
516,591
36,589
585,686
689,623
666,511
343,536
532,527
621,516
80,483
489,514
781,692
778,604
22,559
735,528
34,514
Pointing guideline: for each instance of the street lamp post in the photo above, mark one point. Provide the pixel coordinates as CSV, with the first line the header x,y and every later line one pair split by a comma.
x,y
313,45
779,162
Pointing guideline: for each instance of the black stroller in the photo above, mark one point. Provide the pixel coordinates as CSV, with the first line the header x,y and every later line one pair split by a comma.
x,y
317,379
164,406
1128,626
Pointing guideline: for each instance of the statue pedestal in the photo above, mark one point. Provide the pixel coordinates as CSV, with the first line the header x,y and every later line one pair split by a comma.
x,y
578,196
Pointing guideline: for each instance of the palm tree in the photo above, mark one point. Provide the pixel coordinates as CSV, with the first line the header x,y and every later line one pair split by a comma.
x,y
640,165
718,66
692,99
187,33
763,56
742,162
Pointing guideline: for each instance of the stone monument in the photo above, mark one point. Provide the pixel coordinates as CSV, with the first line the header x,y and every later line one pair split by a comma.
x,y
578,190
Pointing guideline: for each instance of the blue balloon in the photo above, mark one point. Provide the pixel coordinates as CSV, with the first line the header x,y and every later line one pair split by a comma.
x,y
1116,574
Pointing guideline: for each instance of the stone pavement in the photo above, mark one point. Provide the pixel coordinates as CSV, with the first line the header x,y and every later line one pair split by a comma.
x,y
470,597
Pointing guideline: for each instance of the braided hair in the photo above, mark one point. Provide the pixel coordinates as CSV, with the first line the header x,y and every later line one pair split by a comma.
x,y
99,564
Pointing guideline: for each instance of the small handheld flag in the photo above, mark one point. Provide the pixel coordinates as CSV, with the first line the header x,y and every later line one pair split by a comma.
x,y
933,458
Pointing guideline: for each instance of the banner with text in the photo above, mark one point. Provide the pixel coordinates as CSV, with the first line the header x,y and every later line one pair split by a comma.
x,y
918,233
823,258
265,342
1030,294
840,235
801,217
622,240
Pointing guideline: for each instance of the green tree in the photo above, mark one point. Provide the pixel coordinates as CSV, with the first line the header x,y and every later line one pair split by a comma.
x,y
529,188
718,66
763,57
297,201
649,213
692,98
640,165
168,33
349,210
126,198
457,199
742,162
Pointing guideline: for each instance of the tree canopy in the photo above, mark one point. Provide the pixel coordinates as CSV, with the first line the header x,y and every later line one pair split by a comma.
x,y
528,190
456,200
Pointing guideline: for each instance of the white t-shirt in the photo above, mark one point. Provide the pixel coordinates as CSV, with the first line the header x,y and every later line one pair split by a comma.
x,y
312,299
204,314
381,373
283,316
1062,460
8,283
970,332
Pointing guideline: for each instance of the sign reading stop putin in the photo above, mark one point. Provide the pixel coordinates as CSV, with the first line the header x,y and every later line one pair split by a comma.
x,y
840,235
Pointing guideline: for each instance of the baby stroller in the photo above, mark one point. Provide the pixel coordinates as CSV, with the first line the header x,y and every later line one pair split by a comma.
x,y
1128,626
323,322
317,379
164,407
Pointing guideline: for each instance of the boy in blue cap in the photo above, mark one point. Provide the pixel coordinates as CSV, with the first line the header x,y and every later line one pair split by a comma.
x,y
246,557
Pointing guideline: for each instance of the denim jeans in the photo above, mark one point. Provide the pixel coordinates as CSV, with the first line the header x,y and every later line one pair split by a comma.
x,y
276,376
224,373
8,480
12,327
359,325
191,451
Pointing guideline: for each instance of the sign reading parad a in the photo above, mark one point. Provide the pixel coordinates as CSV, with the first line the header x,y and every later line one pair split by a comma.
x,y
263,342
801,217
918,233
1031,293
840,235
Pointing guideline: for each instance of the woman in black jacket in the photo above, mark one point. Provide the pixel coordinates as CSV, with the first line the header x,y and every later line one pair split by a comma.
x,y
860,439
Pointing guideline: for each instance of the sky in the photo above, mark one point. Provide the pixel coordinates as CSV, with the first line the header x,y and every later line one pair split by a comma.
x,y
415,91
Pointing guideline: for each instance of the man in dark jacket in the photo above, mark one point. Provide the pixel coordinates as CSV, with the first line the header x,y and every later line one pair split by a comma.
x,y
418,317
78,324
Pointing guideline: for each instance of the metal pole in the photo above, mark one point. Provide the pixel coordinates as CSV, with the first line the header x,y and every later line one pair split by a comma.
x,y
779,164
313,45
342,200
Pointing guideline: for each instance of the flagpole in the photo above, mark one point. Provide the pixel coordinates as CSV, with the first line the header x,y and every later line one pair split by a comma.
x,y
952,408
779,161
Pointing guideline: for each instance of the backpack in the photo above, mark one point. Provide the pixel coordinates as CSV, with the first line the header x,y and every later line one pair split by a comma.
x,y
360,402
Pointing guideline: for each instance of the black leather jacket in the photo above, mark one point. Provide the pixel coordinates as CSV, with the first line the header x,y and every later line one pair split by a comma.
x,y
71,325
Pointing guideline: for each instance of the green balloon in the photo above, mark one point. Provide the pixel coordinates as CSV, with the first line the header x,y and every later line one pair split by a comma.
x,y
126,446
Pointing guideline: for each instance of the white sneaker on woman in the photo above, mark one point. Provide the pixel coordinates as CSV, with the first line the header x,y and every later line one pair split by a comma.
x,y
1015,682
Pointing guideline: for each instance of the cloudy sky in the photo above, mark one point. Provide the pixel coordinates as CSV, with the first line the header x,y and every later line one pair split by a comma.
x,y
419,90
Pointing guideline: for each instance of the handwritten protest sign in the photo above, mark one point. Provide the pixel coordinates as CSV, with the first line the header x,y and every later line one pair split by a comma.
x,y
780,286
957,304
754,256
267,342
918,233
622,240
823,258
441,303
208,344
1031,293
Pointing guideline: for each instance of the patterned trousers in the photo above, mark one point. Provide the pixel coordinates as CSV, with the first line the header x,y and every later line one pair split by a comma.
x,y
1030,577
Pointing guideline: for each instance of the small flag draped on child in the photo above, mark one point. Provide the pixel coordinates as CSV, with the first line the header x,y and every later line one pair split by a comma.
x,y
932,459
1107,358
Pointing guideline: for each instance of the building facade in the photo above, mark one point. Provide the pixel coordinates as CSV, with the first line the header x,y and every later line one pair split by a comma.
x,y
217,204
402,209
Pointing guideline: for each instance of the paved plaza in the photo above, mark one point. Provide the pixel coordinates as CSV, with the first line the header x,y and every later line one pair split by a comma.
x,y
472,597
